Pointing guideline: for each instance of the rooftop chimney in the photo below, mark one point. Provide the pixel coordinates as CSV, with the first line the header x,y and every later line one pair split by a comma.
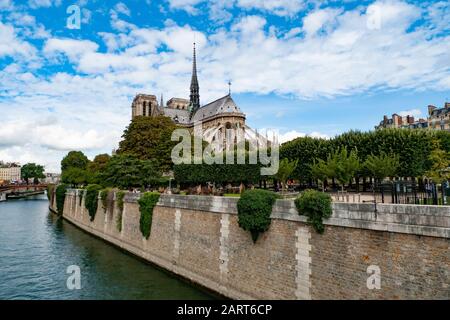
x,y
431,109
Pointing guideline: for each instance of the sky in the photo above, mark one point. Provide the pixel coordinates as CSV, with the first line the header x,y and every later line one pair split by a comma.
x,y
317,68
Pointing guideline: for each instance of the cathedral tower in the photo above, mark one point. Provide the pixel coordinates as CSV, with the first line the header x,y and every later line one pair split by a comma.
x,y
195,90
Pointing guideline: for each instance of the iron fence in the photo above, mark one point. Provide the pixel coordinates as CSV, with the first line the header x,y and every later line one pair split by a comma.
x,y
411,192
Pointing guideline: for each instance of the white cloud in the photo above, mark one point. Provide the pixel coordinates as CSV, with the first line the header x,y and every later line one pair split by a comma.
x,y
320,19
117,23
294,134
219,9
122,8
11,45
93,107
34,4
6,5
73,49
416,113
186,5
277,7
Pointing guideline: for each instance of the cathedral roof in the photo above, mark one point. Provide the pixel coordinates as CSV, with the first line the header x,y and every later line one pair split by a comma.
x,y
223,105
178,115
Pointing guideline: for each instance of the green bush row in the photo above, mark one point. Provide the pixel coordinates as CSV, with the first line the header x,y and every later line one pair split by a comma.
x,y
219,173
255,208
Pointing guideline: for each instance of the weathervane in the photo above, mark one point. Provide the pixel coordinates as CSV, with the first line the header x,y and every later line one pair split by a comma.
x,y
229,88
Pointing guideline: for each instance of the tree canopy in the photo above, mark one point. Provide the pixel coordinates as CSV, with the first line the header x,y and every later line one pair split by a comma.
x,y
74,159
99,163
440,167
382,166
74,169
412,148
149,138
128,171
32,171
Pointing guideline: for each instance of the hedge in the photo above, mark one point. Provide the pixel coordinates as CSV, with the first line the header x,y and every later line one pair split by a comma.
x,y
218,173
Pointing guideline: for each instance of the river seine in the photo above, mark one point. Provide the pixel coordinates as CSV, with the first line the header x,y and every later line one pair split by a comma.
x,y
36,248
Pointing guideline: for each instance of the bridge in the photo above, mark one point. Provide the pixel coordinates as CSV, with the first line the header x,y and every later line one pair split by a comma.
x,y
15,191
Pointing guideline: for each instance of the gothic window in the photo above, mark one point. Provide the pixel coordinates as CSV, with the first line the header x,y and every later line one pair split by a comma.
x,y
144,109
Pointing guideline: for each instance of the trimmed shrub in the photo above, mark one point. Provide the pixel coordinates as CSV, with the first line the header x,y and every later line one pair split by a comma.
x,y
146,204
316,206
91,202
254,210
60,197
119,198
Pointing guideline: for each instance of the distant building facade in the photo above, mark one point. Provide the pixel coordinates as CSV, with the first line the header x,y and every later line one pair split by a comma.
x,y
52,178
438,119
10,172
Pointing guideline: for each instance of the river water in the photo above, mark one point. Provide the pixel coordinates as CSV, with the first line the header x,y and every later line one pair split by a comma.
x,y
36,248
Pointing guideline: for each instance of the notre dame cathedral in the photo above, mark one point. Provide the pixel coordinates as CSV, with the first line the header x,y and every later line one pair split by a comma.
x,y
215,117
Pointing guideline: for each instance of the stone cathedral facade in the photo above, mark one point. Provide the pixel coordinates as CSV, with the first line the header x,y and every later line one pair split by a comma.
x,y
216,117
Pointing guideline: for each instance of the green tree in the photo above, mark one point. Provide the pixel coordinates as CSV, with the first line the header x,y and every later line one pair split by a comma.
x,y
343,165
321,171
382,166
440,168
96,167
75,176
74,169
305,150
74,159
285,171
32,171
127,171
99,163
149,138
413,148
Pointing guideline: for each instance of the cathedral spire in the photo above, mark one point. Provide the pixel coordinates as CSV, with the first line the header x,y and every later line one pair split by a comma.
x,y
195,90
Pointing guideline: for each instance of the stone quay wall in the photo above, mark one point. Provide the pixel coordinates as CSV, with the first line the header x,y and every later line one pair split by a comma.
x,y
198,238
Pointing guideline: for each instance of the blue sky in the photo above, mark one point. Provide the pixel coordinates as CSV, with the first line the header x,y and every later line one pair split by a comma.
x,y
315,68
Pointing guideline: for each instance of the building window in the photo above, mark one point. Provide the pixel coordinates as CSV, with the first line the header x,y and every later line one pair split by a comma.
x,y
144,109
